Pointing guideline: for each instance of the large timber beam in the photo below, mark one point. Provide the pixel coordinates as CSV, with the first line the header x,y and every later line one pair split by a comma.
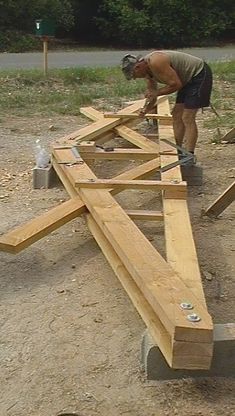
x,y
27,234
180,247
189,355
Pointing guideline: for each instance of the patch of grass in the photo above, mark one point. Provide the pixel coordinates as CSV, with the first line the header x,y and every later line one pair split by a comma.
x,y
224,70
223,96
64,90
225,120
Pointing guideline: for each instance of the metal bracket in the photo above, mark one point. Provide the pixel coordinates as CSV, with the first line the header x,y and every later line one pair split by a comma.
x,y
106,149
79,160
70,162
186,157
75,152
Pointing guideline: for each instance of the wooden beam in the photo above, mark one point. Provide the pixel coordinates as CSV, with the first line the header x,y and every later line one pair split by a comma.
x,y
95,115
161,286
27,234
180,247
222,202
62,176
134,115
153,185
99,127
118,154
229,136
179,354
92,131
145,215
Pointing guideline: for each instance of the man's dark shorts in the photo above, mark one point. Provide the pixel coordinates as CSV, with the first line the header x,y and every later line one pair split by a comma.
x,y
196,93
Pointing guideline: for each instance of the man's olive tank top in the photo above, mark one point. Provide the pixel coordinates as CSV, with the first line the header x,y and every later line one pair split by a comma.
x,y
186,66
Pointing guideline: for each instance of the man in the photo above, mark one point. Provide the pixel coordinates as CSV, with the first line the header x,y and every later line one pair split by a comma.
x,y
190,76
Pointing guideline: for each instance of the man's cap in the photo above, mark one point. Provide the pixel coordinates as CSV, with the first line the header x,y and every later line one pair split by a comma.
x,y
128,63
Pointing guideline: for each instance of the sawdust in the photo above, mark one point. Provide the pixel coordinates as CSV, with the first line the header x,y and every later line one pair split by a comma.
x,y
70,337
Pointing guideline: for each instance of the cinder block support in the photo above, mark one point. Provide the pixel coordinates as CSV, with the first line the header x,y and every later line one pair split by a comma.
x,y
193,175
223,362
44,177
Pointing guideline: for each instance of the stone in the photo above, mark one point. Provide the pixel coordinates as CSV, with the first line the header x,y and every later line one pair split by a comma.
x,y
193,175
223,361
44,177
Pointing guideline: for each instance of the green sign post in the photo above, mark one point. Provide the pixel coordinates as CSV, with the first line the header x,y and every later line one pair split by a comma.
x,y
45,29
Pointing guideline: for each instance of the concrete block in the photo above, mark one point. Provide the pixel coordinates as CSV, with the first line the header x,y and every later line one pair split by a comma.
x,y
223,361
193,175
44,177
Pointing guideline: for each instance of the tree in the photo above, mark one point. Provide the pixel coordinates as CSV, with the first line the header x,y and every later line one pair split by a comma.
x,y
169,23
18,14
85,27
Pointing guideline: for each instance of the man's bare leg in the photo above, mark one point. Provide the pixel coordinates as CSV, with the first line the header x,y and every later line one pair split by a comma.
x,y
191,132
178,125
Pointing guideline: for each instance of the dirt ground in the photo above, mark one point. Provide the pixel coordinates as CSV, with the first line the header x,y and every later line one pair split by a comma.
x,y
70,337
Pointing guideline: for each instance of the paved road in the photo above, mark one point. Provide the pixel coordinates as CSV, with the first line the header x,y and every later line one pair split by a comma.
x,y
98,58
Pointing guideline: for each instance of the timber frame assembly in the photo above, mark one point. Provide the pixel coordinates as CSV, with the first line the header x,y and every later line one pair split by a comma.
x,y
168,292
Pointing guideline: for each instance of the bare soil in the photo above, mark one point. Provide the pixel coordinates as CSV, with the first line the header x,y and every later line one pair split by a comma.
x,y
70,337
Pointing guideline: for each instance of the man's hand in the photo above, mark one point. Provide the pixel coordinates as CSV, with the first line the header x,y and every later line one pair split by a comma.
x,y
151,95
142,112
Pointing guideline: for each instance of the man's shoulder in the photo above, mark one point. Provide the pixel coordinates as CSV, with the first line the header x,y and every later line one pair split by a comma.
x,y
157,57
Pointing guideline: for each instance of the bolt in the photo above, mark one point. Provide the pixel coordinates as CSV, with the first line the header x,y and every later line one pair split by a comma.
x,y
193,317
186,305
175,181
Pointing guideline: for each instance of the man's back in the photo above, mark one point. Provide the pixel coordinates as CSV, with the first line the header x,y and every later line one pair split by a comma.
x,y
185,65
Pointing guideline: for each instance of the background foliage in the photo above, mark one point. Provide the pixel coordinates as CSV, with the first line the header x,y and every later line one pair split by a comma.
x,y
119,23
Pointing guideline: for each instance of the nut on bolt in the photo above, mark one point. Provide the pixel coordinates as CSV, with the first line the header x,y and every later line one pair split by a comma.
x,y
193,317
186,305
